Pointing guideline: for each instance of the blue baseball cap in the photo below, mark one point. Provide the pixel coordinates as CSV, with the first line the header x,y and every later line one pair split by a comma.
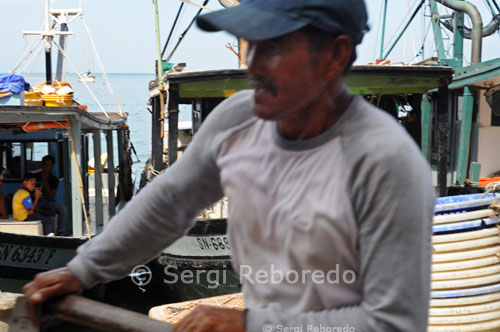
x,y
256,20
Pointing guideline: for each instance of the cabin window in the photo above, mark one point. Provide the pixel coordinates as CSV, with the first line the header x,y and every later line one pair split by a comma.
x,y
35,151
11,156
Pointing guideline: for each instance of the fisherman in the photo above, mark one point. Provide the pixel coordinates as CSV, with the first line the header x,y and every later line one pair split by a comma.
x,y
321,183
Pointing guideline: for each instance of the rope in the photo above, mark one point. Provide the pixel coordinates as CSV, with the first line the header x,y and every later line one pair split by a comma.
x,y
80,181
35,57
101,67
26,55
80,76
495,206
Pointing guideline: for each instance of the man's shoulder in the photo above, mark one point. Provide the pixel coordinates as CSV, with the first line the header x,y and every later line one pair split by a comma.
x,y
233,111
371,129
230,116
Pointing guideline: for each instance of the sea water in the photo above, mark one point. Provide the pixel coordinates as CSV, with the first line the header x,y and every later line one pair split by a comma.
x,y
131,91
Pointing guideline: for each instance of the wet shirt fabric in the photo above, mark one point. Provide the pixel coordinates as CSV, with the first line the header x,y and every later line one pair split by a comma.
x,y
21,203
355,204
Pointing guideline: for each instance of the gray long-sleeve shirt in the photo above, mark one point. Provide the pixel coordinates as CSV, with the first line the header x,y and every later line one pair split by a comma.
x,y
353,205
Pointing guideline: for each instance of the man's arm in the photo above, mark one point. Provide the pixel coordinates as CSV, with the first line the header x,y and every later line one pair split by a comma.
x,y
161,213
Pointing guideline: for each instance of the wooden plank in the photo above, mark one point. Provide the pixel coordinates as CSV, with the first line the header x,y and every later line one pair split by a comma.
x,y
156,141
175,312
98,179
102,316
173,126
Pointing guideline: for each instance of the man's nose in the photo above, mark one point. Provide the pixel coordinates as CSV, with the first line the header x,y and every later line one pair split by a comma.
x,y
254,58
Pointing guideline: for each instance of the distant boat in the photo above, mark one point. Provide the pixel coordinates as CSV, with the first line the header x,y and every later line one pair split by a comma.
x,y
87,77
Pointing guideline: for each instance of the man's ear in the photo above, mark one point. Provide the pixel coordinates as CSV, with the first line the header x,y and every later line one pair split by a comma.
x,y
340,52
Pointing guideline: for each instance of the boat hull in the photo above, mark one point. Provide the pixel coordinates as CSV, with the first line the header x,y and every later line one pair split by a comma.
x,y
198,265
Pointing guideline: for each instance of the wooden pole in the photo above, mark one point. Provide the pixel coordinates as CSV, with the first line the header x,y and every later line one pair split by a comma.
x,y
111,175
102,316
173,126
98,179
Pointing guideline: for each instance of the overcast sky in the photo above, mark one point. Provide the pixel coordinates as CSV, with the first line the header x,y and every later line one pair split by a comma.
x,y
124,33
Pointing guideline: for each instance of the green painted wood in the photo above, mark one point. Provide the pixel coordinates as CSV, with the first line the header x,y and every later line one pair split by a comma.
x,y
359,84
212,88
98,209
76,200
475,171
426,119
465,134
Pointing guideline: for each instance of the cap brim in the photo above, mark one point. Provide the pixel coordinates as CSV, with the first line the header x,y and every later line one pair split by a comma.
x,y
249,23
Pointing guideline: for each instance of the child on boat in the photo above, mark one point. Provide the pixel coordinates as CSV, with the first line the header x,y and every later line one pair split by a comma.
x,y
23,207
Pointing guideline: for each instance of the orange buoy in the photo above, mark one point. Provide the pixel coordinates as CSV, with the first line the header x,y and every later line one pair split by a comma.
x,y
34,126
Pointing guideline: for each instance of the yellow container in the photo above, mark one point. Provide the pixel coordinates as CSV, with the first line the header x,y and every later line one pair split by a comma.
x,y
55,100
33,98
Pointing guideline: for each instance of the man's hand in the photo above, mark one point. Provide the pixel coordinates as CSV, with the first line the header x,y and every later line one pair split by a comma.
x,y
30,212
48,285
211,319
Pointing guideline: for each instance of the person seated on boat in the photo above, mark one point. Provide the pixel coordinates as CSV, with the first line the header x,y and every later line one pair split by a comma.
x,y
3,210
314,179
49,184
23,205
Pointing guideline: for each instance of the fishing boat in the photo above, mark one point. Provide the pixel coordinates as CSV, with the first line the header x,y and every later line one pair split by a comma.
x,y
86,77
38,123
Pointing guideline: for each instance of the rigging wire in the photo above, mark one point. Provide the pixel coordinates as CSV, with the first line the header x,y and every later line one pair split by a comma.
x,y
101,67
172,28
496,5
394,36
80,76
411,33
488,4
186,31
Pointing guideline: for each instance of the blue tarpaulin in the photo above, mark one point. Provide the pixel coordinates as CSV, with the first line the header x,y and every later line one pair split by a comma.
x,y
13,83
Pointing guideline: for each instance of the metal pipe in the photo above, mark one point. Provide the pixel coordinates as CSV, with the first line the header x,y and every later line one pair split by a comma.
x,y
477,24
488,30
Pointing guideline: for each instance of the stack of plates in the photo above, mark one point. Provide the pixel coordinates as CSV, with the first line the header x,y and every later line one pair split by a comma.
x,y
465,265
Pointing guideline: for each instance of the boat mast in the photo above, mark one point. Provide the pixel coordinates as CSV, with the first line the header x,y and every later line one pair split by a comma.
x,y
47,36
60,57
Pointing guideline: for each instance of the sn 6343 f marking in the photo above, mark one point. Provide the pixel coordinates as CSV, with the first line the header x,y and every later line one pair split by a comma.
x,y
10,253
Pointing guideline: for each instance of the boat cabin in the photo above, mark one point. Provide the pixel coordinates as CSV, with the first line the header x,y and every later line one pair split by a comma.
x,y
28,133
415,95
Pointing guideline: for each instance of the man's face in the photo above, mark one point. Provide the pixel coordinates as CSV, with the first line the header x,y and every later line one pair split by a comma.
x,y
286,76
47,165
29,184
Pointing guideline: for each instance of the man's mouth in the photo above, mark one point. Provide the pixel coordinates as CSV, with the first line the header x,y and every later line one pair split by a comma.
x,y
262,87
